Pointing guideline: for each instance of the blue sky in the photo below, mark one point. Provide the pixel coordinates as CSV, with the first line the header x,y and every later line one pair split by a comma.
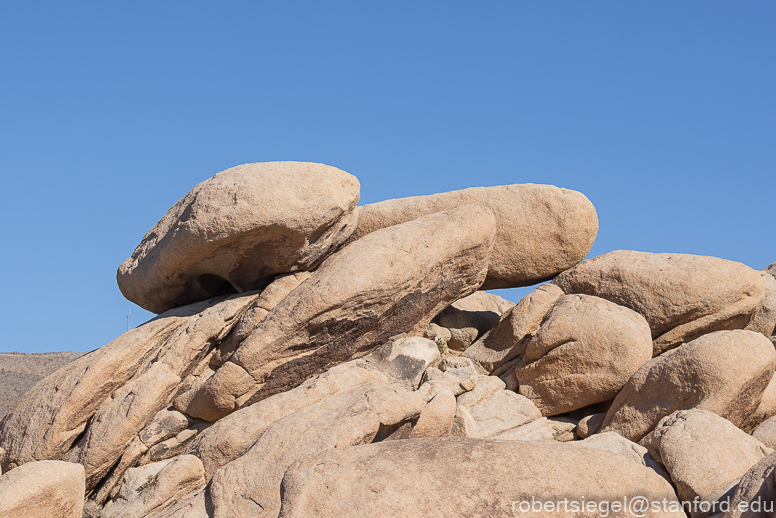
x,y
662,113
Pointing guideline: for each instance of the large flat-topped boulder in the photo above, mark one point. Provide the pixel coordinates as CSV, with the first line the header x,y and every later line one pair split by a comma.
x,y
541,230
682,296
236,230
465,478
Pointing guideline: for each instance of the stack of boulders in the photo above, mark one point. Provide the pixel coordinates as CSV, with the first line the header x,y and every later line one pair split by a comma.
x,y
314,358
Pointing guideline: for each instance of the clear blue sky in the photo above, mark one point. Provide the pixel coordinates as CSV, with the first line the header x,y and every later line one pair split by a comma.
x,y
662,113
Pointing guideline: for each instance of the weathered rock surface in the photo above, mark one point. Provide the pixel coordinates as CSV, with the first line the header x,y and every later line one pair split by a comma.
x,y
393,281
154,487
771,268
755,494
109,396
454,478
236,230
590,424
505,341
764,320
250,485
503,411
616,443
766,432
231,437
542,230
542,429
702,451
405,359
584,352
681,296
470,317
725,372
765,410
45,489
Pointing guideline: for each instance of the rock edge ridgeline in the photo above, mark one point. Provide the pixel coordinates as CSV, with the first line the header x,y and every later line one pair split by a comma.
x,y
316,358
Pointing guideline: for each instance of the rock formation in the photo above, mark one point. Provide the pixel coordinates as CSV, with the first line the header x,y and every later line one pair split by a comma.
x,y
316,359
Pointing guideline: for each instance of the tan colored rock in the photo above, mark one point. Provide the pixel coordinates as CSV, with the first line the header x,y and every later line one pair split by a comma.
x,y
765,410
725,372
48,419
250,485
393,281
484,388
109,396
462,478
503,411
771,268
464,424
584,352
764,320
255,313
405,359
542,429
471,317
436,417
116,423
151,489
681,296
616,443
702,451
766,432
542,230
590,424
236,230
505,341
755,494
231,437
45,489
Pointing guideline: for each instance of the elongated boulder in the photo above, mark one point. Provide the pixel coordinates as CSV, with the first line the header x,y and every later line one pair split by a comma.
x,y
93,409
45,489
231,437
724,372
681,296
541,230
468,478
236,230
506,341
393,281
584,352
703,451
249,487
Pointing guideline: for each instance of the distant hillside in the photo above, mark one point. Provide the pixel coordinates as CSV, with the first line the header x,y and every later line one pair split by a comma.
x,y
19,372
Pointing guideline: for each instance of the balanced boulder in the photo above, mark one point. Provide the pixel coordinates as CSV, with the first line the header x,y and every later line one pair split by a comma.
x,y
584,352
393,281
237,230
681,296
724,372
541,230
